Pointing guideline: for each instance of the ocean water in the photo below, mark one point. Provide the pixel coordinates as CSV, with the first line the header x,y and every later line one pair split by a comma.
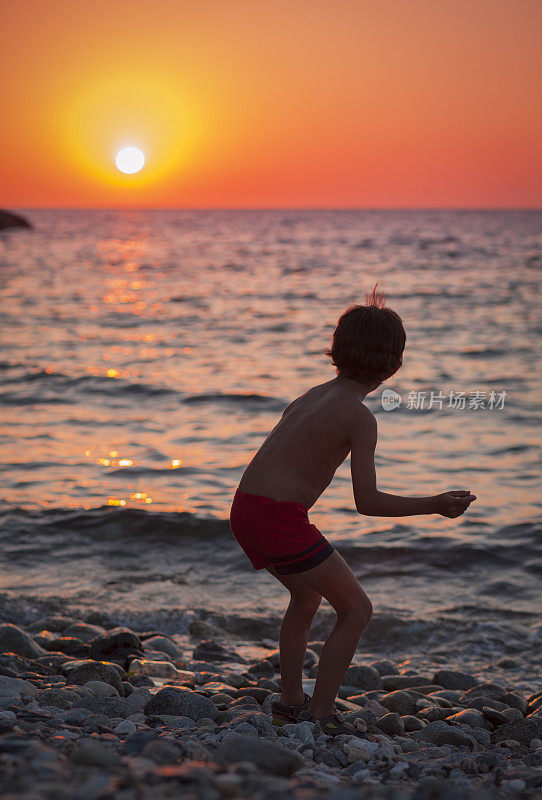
x,y
147,354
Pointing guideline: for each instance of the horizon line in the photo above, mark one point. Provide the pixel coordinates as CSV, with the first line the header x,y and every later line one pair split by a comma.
x,y
274,208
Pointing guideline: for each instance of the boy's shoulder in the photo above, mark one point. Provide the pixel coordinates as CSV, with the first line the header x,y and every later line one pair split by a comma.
x,y
354,414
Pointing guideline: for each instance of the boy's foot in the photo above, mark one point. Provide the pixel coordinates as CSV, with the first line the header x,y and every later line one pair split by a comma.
x,y
332,725
288,715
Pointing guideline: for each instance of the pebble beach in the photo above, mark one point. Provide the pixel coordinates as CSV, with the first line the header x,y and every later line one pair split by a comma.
x,y
145,356
88,712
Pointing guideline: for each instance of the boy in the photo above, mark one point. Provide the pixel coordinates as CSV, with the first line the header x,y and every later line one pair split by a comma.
x,y
288,474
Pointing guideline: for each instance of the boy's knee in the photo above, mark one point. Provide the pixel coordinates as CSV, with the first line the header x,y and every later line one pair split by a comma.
x,y
359,613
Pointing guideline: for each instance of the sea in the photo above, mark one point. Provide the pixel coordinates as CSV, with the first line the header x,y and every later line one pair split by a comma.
x,y
145,356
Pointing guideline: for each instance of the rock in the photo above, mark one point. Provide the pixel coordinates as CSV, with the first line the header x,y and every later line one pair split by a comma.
x,y
88,670
164,644
391,724
359,750
304,731
411,723
514,700
470,717
211,650
16,687
93,754
363,677
521,730
179,701
126,727
394,682
86,633
512,714
493,691
15,640
270,757
106,706
494,716
60,698
262,668
452,679
162,751
400,702
101,689
435,713
118,645
259,721
480,702
440,733
384,667
10,220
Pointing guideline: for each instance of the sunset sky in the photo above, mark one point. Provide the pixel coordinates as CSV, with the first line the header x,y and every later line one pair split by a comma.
x,y
272,103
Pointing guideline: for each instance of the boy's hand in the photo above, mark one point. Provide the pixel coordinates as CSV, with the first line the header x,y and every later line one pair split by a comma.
x,y
453,504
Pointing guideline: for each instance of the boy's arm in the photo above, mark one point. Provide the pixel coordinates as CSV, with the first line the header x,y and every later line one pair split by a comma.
x,y
363,437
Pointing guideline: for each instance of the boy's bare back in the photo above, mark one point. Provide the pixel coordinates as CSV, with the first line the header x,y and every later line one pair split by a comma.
x,y
298,459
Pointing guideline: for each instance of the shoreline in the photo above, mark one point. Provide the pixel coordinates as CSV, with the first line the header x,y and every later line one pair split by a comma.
x,y
96,712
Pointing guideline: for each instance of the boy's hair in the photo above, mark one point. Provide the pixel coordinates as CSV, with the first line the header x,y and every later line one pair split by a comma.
x,y
368,341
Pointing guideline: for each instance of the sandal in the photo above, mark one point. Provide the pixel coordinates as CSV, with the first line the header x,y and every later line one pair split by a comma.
x,y
288,715
332,726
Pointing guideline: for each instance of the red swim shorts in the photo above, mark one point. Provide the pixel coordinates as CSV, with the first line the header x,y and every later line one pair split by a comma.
x,y
277,533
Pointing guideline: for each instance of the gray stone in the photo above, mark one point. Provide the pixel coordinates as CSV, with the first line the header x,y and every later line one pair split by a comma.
x,y
470,717
262,668
16,687
453,679
412,723
391,724
363,677
116,645
178,701
400,702
384,667
260,721
514,700
15,640
440,733
522,731
268,756
94,754
164,645
86,633
61,698
211,650
494,716
101,688
162,751
94,671
108,706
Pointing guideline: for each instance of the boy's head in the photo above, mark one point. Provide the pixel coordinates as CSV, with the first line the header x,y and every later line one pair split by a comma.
x,y
368,342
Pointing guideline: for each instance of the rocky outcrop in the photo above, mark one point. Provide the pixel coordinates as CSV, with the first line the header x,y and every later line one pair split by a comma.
x,y
10,220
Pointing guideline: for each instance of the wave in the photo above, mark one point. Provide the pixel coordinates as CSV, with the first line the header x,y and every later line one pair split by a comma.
x,y
390,552
272,402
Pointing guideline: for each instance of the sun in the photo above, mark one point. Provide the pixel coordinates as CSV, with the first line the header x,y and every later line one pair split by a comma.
x,y
130,160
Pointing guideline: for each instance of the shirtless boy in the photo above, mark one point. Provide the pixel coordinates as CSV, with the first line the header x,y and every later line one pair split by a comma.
x,y
292,468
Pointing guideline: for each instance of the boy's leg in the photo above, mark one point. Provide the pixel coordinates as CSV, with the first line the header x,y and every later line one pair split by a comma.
x,y
334,579
294,635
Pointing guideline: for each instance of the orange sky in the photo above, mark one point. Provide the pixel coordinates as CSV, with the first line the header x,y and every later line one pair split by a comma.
x,y
282,103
